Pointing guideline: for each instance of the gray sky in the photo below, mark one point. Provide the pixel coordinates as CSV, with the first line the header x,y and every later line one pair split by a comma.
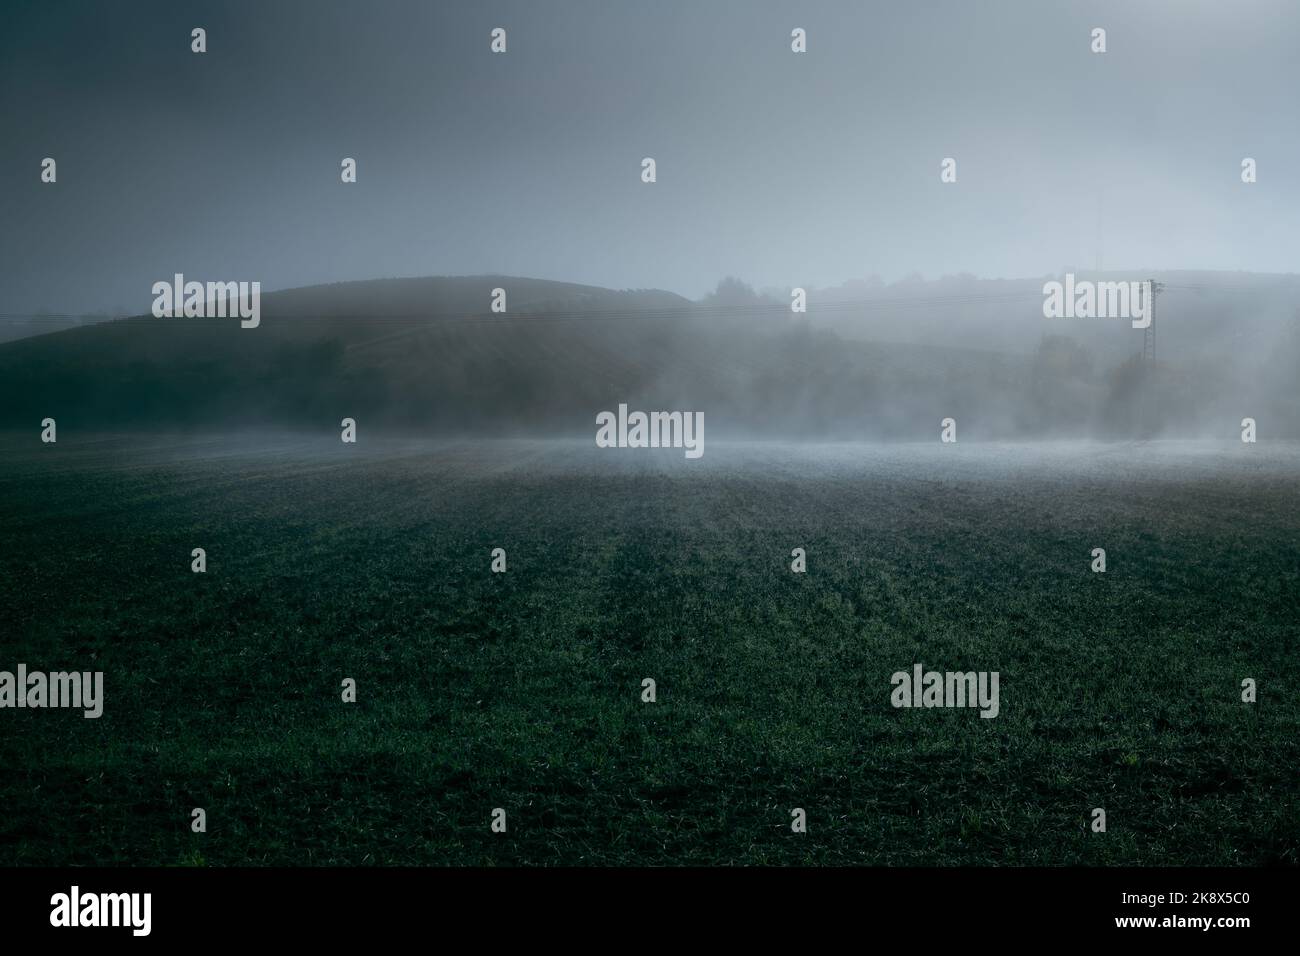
x,y
779,168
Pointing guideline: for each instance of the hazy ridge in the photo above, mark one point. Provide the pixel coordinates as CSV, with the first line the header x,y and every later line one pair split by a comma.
x,y
867,361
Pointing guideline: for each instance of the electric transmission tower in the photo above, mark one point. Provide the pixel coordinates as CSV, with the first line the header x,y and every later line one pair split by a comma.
x,y
1149,357
1149,333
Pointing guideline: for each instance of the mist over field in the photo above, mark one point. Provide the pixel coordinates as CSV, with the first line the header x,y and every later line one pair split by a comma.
x,y
426,357
525,689
776,170
380,557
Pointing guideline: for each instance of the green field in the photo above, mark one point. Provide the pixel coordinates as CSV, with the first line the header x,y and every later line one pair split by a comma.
x,y
522,690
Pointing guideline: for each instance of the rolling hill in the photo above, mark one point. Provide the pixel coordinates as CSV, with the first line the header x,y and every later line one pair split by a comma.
x,y
427,355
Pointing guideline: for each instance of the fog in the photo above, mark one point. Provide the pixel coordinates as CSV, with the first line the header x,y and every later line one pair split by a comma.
x,y
425,358
783,169
776,171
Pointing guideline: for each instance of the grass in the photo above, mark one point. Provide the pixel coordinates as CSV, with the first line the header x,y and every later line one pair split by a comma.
x,y
523,690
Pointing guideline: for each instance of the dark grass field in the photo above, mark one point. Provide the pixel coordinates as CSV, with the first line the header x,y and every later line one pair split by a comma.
x,y
522,690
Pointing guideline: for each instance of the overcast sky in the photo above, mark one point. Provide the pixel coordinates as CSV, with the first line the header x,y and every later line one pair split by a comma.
x,y
780,168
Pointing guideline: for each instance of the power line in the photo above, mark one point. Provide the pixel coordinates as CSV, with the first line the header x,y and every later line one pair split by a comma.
x,y
692,309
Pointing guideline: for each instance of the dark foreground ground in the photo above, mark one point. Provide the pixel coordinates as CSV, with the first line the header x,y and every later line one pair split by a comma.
x,y
522,690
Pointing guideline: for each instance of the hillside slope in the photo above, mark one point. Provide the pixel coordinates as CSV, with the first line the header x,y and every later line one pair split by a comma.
x,y
426,356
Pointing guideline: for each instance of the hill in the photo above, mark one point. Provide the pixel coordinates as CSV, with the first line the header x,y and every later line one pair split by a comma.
x,y
427,356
